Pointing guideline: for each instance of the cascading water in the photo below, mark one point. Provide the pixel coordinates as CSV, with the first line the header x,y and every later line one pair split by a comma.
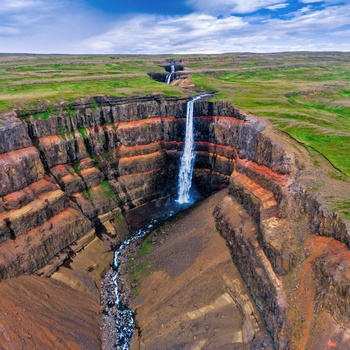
x,y
187,159
168,77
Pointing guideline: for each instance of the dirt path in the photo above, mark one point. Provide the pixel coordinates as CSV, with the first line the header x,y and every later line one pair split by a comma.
x,y
190,295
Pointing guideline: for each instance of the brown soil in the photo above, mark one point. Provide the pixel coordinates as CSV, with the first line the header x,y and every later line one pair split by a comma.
x,y
190,294
40,313
312,329
62,312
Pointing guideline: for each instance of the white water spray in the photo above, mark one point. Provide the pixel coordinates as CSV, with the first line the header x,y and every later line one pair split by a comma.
x,y
187,159
168,77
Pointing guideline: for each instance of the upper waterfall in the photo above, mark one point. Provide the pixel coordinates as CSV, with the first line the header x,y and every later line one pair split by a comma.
x,y
168,77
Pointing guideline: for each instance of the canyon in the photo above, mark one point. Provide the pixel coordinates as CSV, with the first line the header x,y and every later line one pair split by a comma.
x,y
76,182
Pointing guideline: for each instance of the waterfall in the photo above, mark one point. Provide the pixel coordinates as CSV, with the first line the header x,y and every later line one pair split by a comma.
x,y
168,76
187,159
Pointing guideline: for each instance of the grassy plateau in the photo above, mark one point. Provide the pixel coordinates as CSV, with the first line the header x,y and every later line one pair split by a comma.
x,y
306,95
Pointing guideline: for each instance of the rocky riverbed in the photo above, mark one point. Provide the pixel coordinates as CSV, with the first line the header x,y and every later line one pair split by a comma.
x,y
115,313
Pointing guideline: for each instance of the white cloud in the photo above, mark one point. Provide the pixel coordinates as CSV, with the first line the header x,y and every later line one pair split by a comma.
x,y
231,6
152,34
24,16
306,22
302,30
308,1
47,26
345,33
277,6
11,7
8,5
328,2
8,31
67,26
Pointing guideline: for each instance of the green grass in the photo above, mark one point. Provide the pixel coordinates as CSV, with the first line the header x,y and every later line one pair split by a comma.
x,y
137,268
25,80
88,193
72,90
344,208
141,269
146,247
118,216
107,190
306,100
44,115
333,147
83,132
137,272
76,167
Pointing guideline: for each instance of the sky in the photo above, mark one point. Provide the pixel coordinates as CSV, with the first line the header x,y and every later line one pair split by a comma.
x,y
173,27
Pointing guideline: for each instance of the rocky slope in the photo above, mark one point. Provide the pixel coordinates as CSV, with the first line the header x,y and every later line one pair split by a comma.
x,y
70,173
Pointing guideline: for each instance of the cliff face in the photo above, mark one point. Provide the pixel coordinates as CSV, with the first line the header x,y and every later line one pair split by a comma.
x,y
66,174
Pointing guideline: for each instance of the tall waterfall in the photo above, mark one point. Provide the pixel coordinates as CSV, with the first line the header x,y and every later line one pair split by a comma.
x,y
187,160
168,77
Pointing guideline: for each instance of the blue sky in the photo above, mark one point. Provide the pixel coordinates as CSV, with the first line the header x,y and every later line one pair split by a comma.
x,y
179,26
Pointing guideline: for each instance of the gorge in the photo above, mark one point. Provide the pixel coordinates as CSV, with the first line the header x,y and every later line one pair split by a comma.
x,y
88,171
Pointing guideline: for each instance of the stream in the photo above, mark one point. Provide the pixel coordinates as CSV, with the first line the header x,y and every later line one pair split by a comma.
x,y
124,317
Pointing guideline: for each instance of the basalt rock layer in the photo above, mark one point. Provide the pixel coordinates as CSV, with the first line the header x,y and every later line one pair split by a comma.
x,y
73,172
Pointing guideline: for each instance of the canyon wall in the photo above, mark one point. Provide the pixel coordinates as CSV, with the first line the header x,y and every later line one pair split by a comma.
x,y
67,173
72,173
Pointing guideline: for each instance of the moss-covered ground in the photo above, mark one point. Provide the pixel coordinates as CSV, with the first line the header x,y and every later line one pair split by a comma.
x,y
304,95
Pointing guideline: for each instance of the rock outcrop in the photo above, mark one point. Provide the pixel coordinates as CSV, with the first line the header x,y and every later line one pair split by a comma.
x,y
72,173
